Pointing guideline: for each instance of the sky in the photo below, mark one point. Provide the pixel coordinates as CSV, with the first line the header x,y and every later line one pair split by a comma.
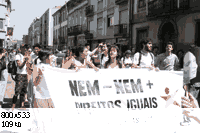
x,y
26,11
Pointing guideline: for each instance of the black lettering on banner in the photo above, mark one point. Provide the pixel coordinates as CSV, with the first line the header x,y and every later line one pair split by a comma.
x,y
139,85
111,103
126,85
117,103
103,104
133,85
155,103
146,104
73,87
81,88
128,104
93,89
79,105
150,102
133,104
138,104
118,86
84,105
99,104
92,103
141,102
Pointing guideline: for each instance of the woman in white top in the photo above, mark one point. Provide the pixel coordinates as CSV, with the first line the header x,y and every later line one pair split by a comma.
x,y
68,62
127,61
81,61
114,58
42,95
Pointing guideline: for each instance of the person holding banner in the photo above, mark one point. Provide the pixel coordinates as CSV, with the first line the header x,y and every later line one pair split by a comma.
x,y
42,97
96,58
190,73
82,61
144,58
68,62
114,58
126,60
168,60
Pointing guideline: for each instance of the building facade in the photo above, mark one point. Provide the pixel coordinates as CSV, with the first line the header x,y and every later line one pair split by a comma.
x,y
25,39
108,21
60,37
77,22
33,32
30,34
162,21
46,28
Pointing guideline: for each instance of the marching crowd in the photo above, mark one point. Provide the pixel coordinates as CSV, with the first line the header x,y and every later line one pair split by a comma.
x,y
25,66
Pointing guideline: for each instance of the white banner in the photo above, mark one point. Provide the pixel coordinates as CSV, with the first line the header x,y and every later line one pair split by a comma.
x,y
115,98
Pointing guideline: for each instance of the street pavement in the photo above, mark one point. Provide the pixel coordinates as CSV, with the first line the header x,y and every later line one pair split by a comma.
x,y
10,91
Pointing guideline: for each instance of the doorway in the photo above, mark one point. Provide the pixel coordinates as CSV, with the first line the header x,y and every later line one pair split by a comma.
x,y
167,34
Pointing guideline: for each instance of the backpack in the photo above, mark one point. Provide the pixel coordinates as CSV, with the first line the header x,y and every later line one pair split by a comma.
x,y
140,56
12,68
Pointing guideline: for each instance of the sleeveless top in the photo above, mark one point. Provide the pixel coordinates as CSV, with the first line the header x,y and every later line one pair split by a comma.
x,y
41,90
116,67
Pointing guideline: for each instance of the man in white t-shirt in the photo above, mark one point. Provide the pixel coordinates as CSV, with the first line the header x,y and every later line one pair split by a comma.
x,y
144,58
168,60
21,77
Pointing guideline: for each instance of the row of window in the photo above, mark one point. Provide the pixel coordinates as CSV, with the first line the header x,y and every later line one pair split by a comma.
x,y
60,17
61,33
123,15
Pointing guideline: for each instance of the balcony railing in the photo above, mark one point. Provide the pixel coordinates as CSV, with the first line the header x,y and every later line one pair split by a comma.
x,y
184,4
121,30
89,10
166,7
117,2
76,30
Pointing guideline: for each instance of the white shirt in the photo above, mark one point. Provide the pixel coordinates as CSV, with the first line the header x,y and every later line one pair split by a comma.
x,y
189,68
89,55
146,59
33,57
53,63
21,58
127,60
41,90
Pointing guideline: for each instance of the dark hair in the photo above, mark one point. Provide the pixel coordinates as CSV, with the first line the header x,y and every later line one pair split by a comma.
x,y
180,50
81,49
1,50
117,58
43,55
143,41
26,46
170,43
155,47
66,52
37,45
87,44
192,46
